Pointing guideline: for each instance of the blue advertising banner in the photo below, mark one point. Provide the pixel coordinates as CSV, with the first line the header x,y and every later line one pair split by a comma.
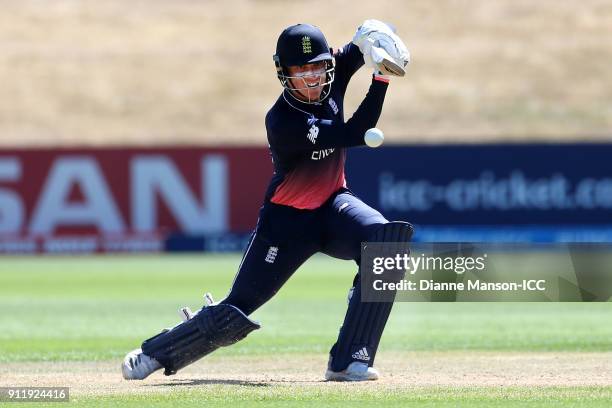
x,y
561,190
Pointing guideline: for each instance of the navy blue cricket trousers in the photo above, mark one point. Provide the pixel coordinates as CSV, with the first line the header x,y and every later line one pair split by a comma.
x,y
285,237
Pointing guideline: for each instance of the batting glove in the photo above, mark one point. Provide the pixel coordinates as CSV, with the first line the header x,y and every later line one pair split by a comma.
x,y
374,35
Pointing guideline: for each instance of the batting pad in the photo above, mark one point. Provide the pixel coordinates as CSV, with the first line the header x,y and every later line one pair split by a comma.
x,y
364,322
212,327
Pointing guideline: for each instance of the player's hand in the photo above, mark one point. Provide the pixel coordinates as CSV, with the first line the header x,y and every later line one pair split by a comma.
x,y
375,64
382,49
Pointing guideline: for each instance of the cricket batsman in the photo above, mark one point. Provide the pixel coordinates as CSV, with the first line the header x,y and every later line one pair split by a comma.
x,y
307,207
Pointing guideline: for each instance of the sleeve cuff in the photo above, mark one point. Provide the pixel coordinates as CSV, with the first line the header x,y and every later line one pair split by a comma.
x,y
380,78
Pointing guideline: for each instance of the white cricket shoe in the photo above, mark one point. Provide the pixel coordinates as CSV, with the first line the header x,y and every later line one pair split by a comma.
x,y
356,371
138,366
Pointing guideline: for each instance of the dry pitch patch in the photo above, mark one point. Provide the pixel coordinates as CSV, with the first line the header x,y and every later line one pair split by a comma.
x,y
399,371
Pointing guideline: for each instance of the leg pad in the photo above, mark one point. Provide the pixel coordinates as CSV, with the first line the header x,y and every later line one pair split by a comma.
x,y
212,327
364,322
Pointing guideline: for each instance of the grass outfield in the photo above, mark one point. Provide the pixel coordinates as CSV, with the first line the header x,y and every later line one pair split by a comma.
x,y
61,315
342,397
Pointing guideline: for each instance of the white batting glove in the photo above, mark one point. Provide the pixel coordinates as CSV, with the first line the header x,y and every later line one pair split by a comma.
x,y
374,34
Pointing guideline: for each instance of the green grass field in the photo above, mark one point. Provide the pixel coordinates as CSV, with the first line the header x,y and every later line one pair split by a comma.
x,y
70,319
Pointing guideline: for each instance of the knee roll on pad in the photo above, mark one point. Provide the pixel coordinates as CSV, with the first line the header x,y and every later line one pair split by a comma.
x,y
396,236
212,327
395,231
364,323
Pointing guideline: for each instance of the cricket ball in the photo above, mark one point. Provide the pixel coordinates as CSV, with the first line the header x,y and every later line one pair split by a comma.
x,y
373,137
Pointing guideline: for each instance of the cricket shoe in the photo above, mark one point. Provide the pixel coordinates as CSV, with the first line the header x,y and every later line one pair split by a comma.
x,y
138,366
356,371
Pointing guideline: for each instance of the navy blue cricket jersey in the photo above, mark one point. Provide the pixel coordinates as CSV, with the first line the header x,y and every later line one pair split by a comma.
x,y
308,141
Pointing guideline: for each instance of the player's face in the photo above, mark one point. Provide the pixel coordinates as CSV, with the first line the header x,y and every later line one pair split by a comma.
x,y
308,80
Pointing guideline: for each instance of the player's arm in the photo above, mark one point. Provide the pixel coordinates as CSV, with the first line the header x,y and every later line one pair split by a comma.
x,y
348,60
297,131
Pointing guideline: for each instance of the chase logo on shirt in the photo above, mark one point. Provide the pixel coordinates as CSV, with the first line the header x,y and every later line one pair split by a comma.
x,y
313,132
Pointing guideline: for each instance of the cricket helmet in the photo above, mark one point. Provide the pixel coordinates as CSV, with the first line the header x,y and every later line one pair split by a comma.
x,y
303,44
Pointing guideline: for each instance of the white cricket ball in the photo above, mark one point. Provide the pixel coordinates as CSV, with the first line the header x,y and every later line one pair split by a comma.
x,y
374,137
